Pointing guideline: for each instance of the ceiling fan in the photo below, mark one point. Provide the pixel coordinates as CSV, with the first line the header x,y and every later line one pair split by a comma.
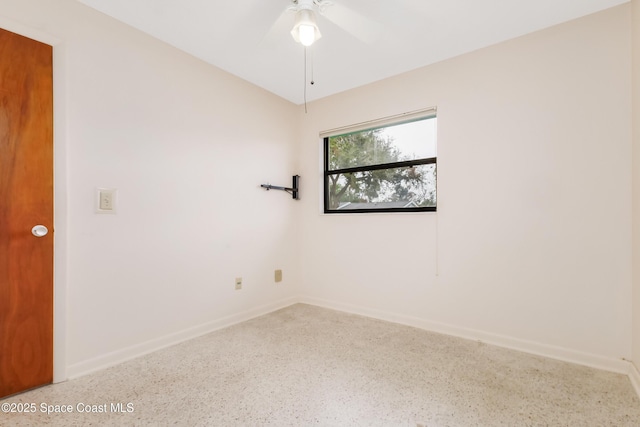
x,y
305,29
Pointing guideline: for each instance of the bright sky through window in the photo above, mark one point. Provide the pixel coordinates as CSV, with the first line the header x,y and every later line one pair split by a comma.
x,y
409,138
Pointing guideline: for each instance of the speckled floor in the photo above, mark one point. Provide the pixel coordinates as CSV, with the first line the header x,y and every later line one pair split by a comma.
x,y
305,365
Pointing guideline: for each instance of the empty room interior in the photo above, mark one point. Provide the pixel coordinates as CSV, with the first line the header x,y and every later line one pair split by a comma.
x,y
187,288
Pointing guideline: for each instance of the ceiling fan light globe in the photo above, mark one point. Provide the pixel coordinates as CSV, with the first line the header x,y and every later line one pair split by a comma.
x,y
305,30
307,34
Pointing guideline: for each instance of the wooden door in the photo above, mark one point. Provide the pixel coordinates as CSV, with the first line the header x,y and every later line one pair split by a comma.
x,y
26,200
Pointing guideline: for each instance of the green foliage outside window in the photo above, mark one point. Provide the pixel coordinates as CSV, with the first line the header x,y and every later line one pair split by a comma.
x,y
378,181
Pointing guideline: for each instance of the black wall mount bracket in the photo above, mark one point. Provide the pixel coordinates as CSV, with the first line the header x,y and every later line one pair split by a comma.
x,y
293,190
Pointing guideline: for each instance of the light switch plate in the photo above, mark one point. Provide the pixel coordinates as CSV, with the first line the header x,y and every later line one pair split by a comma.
x,y
106,200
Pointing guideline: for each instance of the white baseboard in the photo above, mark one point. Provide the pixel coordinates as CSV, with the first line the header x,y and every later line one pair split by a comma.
x,y
634,377
125,354
553,352
559,353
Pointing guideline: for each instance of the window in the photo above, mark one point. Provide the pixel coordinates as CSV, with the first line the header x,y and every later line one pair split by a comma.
x,y
390,168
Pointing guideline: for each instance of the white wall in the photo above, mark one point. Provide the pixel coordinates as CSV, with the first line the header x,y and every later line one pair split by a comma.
x,y
187,146
636,183
530,246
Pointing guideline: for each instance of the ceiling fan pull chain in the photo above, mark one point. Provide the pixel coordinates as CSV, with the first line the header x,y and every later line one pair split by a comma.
x,y
312,79
305,80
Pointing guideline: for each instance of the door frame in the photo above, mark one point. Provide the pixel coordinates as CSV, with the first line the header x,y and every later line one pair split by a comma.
x,y
60,202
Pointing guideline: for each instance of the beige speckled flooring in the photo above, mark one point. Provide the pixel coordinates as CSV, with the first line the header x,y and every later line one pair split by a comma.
x,y
305,365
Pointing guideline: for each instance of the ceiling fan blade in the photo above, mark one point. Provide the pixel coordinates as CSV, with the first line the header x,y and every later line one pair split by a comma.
x,y
280,28
358,25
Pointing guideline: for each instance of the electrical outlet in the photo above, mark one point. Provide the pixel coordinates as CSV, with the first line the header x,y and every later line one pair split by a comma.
x,y
238,283
106,200
278,276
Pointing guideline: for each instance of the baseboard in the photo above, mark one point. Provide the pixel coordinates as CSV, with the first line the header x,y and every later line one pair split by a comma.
x,y
123,355
553,352
634,377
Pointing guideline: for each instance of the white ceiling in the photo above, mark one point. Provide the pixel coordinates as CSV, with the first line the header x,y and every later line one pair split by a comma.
x,y
239,36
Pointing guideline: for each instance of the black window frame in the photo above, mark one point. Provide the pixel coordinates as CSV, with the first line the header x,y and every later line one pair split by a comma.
x,y
393,165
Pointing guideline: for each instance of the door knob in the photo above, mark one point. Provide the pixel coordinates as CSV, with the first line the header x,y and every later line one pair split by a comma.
x,y
39,230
